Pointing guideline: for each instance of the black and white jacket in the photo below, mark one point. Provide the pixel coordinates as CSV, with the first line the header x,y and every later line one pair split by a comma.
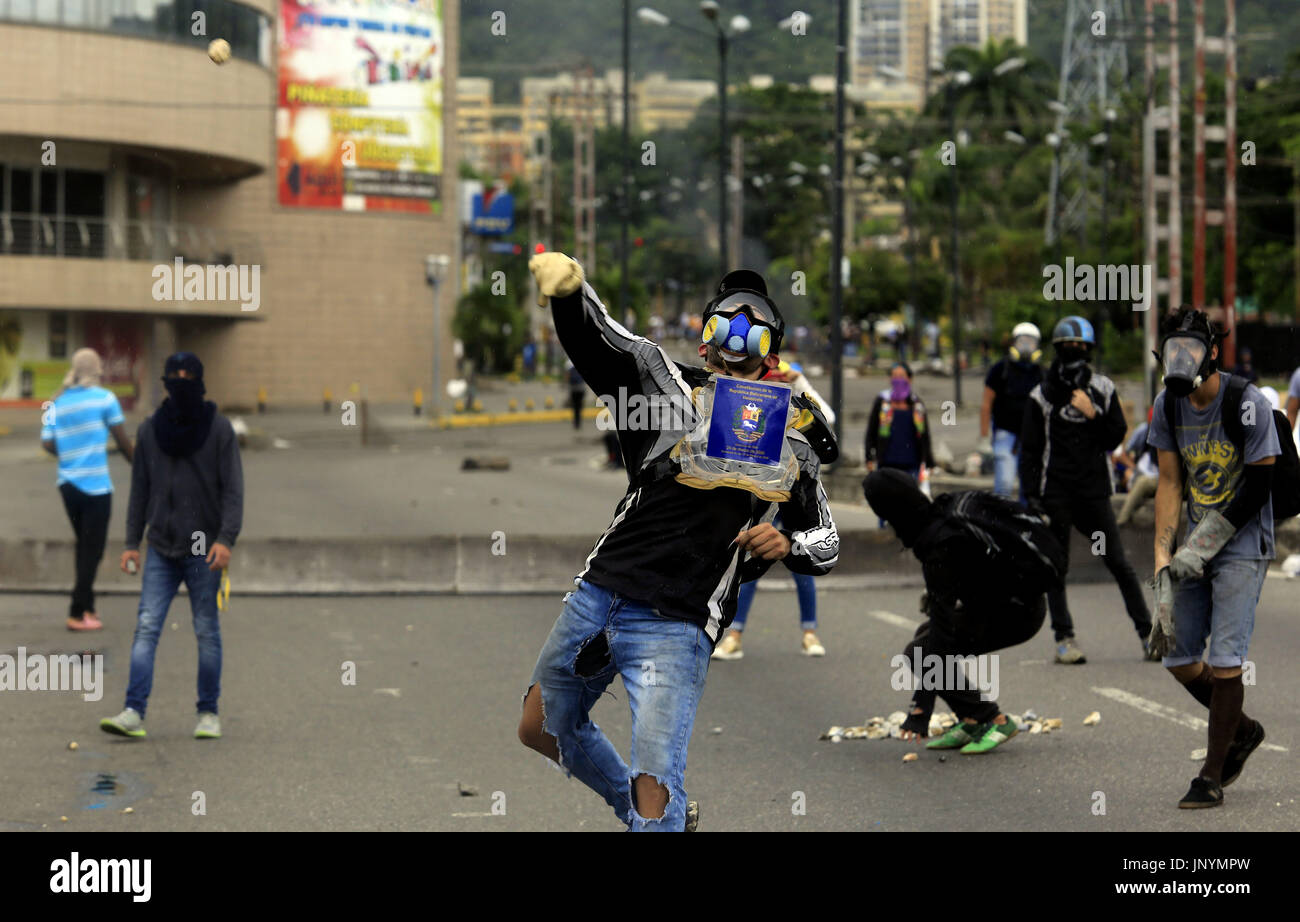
x,y
1062,452
670,545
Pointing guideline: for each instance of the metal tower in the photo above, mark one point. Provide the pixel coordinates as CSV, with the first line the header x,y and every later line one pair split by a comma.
x,y
1093,57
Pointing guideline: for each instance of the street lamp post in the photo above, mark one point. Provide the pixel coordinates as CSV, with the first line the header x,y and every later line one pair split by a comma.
x,y
960,78
837,223
623,293
435,267
738,24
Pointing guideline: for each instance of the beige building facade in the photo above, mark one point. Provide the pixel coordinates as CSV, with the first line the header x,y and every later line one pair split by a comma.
x,y
132,149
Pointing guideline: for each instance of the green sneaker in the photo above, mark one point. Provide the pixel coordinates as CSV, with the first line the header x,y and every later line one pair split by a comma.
x,y
994,735
958,735
208,728
128,723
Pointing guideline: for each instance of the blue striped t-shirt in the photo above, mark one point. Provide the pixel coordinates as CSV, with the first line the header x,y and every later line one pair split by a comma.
x,y
78,423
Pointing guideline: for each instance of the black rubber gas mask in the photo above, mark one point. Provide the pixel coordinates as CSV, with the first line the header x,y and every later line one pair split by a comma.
x,y
1186,357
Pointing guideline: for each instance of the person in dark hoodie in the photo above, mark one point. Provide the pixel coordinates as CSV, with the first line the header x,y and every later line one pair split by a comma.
x,y
187,486
986,563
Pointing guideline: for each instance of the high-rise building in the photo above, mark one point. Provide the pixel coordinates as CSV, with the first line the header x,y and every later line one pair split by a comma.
x,y
905,36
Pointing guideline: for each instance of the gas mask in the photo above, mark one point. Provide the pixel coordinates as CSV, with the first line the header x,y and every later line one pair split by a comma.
x,y
1025,349
1185,356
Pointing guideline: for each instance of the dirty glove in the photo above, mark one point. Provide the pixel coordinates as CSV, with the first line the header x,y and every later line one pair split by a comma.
x,y
557,275
1206,540
1160,642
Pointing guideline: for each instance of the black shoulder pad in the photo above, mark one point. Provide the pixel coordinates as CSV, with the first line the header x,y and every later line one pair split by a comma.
x,y
815,429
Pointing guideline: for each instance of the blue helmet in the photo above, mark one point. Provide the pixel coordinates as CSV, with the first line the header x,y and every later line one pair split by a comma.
x,y
1073,330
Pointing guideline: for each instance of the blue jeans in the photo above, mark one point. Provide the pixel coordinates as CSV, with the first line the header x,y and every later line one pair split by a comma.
x,y
1004,462
161,579
1220,607
663,662
804,587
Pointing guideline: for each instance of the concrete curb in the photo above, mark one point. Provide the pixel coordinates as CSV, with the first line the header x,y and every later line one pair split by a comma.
x,y
465,564
480,420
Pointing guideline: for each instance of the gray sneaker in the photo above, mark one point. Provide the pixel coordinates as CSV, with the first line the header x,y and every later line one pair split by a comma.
x,y
1068,652
128,723
209,727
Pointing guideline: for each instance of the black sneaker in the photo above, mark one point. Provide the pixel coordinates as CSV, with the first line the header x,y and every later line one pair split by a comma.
x,y
692,816
1202,793
1239,752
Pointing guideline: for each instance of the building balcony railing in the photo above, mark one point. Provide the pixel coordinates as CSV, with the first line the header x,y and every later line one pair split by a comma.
x,y
248,30
101,238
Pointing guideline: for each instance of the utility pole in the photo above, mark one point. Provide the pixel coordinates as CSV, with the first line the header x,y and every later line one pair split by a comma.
x,y
956,244
584,173
1155,186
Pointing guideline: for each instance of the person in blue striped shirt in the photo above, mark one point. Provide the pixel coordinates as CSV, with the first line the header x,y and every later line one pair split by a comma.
x,y
75,430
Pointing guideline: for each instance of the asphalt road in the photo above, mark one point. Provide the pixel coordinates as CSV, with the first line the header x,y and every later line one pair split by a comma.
x,y
425,739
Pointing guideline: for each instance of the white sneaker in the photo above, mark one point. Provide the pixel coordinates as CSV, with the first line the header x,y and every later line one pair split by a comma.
x,y
729,647
128,723
209,727
812,646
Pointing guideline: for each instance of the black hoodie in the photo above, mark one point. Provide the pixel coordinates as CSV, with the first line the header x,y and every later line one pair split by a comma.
x,y
178,496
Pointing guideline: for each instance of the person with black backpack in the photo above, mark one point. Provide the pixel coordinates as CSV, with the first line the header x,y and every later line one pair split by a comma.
x,y
987,562
1217,436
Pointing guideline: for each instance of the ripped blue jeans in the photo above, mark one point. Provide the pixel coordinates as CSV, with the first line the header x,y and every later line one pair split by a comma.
x,y
663,662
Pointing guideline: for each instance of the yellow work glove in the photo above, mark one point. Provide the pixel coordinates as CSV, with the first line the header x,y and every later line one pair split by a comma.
x,y
557,275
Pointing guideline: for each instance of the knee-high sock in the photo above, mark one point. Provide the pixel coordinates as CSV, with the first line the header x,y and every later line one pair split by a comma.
x,y
1202,689
1225,713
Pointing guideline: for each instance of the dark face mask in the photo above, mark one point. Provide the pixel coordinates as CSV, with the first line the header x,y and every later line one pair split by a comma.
x,y
186,394
1073,364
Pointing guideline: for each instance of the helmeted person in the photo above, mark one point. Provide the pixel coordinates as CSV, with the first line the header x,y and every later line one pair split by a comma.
x,y
660,585
1073,420
1218,443
1006,392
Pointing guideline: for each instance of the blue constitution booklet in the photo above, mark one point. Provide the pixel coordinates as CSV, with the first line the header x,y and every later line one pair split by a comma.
x,y
748,420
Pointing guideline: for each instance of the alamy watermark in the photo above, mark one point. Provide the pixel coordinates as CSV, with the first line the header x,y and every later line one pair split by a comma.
x,y
54,672
1098,283
197,282
641,412
932,672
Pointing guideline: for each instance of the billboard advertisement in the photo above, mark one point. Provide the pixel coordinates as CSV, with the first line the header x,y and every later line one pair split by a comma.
x,y
359,117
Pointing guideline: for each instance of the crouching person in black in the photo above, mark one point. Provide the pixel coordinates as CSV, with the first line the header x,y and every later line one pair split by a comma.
x,y
987,562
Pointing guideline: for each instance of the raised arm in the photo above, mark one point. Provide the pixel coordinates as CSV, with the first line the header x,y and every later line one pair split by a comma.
x,y
606,354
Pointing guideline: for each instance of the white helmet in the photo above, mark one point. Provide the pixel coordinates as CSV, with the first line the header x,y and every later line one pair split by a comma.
x,y
1026,329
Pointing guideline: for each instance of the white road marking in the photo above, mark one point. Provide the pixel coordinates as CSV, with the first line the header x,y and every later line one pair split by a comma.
x,y
890,618
471,814
1160,710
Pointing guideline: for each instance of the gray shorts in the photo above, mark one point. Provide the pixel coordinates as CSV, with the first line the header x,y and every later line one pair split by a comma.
x,y
1219,606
